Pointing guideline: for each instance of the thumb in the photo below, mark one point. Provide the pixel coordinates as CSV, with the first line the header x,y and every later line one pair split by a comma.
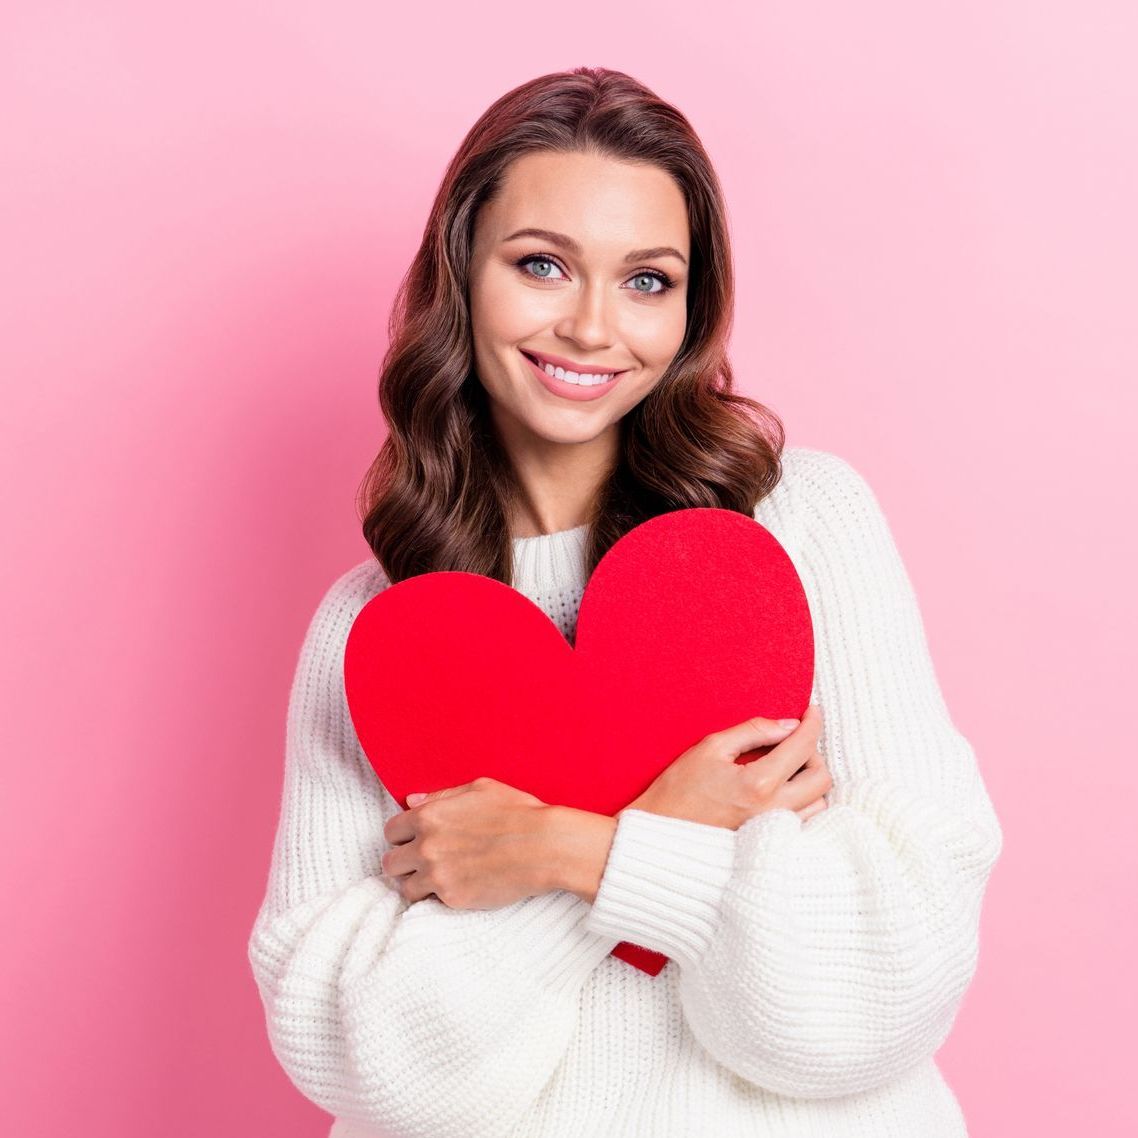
x,y
755,732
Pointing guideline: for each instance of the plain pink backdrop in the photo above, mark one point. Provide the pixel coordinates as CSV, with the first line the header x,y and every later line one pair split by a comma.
x,y
206,211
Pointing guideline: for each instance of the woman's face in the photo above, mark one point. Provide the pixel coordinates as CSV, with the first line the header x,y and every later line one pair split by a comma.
x,y
601,290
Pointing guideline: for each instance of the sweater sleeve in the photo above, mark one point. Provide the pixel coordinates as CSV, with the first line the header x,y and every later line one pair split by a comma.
x,y
410,1019
825,958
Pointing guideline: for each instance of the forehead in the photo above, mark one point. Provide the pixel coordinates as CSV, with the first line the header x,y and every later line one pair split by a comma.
x,y
602,202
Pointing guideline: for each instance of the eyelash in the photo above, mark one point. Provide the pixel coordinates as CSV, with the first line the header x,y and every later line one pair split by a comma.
x,y
662,277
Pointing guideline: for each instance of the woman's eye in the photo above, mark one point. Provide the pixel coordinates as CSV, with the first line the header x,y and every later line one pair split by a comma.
x,y
651,279
544,266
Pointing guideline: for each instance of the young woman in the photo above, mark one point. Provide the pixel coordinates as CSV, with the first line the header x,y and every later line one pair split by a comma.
x,y
556,375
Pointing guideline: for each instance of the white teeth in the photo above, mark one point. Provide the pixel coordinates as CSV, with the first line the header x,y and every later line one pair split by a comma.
x,y
583,379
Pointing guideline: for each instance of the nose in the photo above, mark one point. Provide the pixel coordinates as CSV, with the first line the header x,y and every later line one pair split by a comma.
x,y
588,318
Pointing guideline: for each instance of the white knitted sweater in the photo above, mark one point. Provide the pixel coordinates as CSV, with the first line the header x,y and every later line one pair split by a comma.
x,y
815,968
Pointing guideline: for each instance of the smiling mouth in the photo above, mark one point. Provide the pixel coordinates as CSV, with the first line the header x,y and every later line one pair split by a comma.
x,y
582,379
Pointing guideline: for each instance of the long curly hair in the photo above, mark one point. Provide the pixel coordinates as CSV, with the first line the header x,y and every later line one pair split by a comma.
x,y
438,494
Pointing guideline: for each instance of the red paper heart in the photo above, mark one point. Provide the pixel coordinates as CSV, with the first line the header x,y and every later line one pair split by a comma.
x,y
693,621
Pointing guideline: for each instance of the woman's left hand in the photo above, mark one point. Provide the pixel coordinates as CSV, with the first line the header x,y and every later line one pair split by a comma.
x,y
478,846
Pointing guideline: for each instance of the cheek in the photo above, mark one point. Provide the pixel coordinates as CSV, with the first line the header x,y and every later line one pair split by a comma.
x,y
657,339
501,312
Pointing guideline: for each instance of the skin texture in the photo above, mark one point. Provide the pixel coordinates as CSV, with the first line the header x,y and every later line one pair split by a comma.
x,y
486,844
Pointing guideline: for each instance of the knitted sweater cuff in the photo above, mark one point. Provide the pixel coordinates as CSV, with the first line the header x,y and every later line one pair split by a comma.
x,y
663,883
546,937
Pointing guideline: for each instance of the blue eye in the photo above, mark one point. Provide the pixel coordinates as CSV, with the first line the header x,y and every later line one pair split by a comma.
x,y
665,284
539,260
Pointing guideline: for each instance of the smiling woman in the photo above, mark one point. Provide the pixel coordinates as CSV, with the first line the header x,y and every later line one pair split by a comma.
x,y
557,374
558,346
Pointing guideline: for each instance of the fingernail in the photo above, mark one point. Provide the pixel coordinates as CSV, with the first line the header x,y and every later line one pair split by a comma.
x,y
788,723
415,799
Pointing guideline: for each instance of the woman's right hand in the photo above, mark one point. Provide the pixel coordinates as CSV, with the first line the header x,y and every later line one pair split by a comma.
x,y
705,784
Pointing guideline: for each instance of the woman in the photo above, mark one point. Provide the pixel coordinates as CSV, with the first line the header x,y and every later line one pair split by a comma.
x,y
447,969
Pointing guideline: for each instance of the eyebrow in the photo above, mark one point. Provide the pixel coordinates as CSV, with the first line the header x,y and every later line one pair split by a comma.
x,y
573,247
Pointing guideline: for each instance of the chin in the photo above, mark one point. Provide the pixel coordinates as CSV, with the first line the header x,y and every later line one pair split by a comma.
x,y
566,433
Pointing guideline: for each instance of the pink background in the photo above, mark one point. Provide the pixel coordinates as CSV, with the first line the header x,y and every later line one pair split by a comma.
x,y
206,211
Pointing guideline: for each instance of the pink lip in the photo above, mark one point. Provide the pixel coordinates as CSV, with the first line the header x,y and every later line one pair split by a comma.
x,y
573,365
571,390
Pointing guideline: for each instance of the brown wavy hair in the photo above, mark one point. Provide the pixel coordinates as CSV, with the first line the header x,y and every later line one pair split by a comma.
x,y
438,495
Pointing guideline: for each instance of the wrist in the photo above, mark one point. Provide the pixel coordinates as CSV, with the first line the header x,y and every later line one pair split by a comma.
x,y
577,849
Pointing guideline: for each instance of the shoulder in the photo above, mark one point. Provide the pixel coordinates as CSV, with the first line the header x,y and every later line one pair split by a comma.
x,y
818,476
319,723
357,585
318,682
826,485
823,503
342,600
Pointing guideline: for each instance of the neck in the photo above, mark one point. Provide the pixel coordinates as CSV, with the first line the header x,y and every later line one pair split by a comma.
x,y
558,483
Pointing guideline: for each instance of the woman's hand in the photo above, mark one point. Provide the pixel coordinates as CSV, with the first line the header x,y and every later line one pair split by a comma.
x,y
478,846
706,784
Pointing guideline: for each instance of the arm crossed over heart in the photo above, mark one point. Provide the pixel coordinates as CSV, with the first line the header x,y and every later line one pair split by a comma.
x,y
359,986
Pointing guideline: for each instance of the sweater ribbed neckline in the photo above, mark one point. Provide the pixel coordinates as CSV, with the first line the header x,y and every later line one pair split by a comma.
x,y
550,559
561,533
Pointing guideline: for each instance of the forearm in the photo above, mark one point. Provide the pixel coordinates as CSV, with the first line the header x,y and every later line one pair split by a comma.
x,y
577,845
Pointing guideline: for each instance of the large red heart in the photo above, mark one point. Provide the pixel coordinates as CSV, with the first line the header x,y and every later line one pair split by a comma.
x,y
693,621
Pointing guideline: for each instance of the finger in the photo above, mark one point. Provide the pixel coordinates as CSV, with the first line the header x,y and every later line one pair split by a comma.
x,y
417,799
401,827
812,782
415,886
752,733
815,807
785,759
813,761
811,725
398,861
